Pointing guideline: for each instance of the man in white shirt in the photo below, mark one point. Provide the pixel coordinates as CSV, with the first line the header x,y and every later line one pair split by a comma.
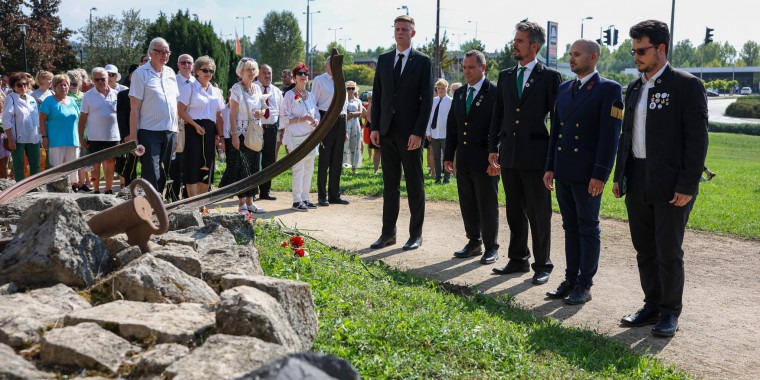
x,y
436,130
184,78
153,118
270,121
331,149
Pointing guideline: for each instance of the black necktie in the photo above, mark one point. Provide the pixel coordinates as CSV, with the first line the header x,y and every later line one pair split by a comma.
x,y
434,123
576,87
397,68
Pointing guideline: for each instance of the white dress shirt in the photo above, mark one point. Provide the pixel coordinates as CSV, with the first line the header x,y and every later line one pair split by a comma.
x,y
528,70
158,93
101,115
274,104
202,104
639,135
443,114
405,59
323,89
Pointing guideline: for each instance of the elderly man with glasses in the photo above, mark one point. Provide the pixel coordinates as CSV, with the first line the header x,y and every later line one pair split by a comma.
x,y
153,118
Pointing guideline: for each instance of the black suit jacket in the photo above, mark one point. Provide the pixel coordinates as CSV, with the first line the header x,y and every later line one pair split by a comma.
x,y
410,101
467,133
676,135
518,126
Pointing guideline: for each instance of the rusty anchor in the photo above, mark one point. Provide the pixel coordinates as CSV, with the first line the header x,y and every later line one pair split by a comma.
x,y
133,217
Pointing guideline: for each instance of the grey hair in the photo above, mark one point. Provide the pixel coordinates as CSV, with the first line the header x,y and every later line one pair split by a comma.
x,y
536,33
478,54
184,55
98,70
156,41
74,75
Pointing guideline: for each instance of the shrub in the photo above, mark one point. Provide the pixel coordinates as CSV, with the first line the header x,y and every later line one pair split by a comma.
x,y
745,129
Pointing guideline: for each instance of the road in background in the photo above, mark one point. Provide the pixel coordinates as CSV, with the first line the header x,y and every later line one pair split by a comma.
x,y
716,108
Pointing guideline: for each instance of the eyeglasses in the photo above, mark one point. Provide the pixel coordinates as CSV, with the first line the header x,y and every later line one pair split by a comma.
x,y
163,52
22,84
640,51
350,88
207,71
302,73
99,79
111,75
185,63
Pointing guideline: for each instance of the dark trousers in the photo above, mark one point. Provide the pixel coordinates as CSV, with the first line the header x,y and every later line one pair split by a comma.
x,y
479,202
175,173
126,166
331,159
580,220
394,155
268,154
439,145
657,233
158,155
528,203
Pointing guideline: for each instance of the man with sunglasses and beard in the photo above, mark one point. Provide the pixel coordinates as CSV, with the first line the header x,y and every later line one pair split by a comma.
x,y
659,163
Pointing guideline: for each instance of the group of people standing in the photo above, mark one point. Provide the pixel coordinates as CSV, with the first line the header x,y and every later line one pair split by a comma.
x,y
660,145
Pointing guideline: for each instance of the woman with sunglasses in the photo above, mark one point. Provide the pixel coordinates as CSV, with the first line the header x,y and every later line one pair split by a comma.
x,y
352,151
58,124
200,106
245,106
299,111
21,125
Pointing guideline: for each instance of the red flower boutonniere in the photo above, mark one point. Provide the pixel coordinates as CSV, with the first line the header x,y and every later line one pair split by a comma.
x,y
296,241
590,85
297,96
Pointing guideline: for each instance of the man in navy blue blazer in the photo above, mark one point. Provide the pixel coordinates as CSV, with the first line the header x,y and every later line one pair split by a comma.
x,y
582,145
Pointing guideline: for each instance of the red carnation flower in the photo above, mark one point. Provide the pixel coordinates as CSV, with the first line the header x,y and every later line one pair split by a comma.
x,y
300,252
296,241
284,244
297,96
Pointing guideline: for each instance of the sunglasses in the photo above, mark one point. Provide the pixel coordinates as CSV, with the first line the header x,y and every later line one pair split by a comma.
x,y
163,52
22,84
74,84
640,51
207,71
350,88
186,63
302,73
111,75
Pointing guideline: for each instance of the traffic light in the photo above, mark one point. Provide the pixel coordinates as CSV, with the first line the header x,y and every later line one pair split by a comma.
x,y
615,38
607,37
599,41
708,35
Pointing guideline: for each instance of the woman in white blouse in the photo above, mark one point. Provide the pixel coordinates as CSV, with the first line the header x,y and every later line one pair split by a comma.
x,y
301,117
200,105
22,126
245,107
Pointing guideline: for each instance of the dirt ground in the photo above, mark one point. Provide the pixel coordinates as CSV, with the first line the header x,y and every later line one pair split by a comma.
x,y
717,337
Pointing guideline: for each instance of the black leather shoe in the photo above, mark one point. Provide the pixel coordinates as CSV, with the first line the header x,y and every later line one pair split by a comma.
x,y
578,296
490,256
473,248
540,278
644,316
412,243
268,197
513,267
666,327
339,201
323,202
384,241
562,291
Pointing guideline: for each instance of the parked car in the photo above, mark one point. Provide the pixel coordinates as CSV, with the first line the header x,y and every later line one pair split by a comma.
x,y
711,92
746,91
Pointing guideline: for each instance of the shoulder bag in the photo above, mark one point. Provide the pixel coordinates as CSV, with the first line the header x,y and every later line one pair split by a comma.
x,y
254,136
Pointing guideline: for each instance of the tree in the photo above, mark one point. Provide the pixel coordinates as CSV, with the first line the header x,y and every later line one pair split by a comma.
x,y
447,62
684,54
727,54
361,74
505,59
473,44
47,43
279,41
750,53
114,41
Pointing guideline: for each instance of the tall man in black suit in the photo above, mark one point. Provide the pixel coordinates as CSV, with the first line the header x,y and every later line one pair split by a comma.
x,y
517,144
467,136
661,158
584,139
401,103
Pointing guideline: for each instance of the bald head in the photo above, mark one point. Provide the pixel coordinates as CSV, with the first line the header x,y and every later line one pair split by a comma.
x,y
584,54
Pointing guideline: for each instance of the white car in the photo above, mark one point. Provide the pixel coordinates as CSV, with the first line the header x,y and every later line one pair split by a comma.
x,y
746,91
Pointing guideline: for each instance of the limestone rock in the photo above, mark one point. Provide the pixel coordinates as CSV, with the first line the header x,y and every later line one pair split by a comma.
x,y
14,367
184,218
238,224
61,185
149,279
250,312
85,345
6,183
235,259
208,237
52,245
23,315
116,243
306,366
160,356
153,322
225,357
8,289
295,298
181,256
127,255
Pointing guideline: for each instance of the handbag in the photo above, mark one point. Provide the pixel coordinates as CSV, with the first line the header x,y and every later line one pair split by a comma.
x,y
254,136
181,127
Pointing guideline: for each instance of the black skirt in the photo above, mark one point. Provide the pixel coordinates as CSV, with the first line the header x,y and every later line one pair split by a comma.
x,y
240,164
199,153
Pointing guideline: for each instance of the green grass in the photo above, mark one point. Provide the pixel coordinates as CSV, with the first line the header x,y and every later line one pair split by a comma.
x,y
729,204
392,325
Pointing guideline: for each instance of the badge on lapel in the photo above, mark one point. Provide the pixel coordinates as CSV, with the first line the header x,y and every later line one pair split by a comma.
x,y
658,100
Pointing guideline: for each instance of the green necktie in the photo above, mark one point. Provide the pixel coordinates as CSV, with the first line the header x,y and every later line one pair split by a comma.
x,y
520,77
470,95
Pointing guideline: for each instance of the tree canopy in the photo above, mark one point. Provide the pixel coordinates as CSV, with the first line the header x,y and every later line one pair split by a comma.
x,y
279,41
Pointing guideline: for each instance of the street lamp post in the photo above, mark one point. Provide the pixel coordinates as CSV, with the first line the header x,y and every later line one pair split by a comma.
x,y
582,20
23,33
89,48
243,18
476,27
345,42
309,30
405,8
335,37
